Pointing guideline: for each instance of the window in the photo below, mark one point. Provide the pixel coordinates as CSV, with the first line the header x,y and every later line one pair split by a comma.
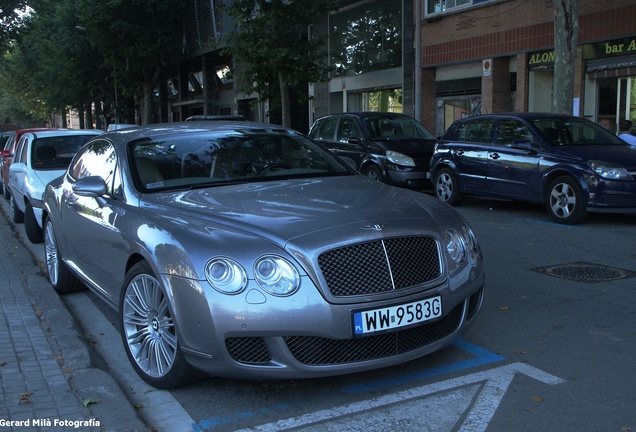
x,y
477,131
327,128
367,38
98,159
348,129
510,131
441,6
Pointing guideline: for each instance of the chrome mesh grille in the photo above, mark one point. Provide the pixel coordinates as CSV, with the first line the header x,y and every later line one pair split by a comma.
x,y
248,349
380,266
311,350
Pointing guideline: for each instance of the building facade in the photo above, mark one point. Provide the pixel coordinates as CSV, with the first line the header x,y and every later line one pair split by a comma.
x,y
438,60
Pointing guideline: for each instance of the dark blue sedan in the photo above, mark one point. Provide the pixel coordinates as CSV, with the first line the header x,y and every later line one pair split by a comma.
x,y
569,163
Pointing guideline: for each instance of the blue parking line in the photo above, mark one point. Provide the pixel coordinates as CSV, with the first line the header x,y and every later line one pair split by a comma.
x,y
482,357
217,421
547,223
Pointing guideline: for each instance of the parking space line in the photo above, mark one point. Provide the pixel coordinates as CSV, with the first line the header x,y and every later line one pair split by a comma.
x,y
482,357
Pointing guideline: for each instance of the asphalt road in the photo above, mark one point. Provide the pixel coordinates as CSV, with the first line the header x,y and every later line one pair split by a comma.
x,y
554,348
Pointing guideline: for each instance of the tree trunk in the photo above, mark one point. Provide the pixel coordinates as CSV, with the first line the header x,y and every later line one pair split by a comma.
x,y
566,38
284,100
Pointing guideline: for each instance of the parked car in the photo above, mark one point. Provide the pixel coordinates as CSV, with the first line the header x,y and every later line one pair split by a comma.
x,y
248,250
40,157
7,155
569,163
388,147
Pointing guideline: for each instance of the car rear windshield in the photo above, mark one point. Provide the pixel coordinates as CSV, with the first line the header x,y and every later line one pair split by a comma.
x,y
213,158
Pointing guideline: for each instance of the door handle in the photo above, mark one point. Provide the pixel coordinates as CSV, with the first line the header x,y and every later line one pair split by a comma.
x,y
494,155
459,152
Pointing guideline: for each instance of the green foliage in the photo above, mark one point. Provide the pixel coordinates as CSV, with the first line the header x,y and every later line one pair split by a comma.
x,y
270,40
70,53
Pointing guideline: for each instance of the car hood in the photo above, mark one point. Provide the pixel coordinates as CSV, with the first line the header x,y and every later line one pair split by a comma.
x,y
624,155
306,211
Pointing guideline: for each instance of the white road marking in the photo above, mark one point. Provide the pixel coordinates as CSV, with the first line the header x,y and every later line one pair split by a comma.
x,y
391,412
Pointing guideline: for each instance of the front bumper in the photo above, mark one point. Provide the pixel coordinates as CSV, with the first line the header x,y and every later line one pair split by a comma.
x,y
255,336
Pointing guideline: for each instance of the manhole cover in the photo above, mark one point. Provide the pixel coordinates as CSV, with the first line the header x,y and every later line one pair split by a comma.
x,y
585,272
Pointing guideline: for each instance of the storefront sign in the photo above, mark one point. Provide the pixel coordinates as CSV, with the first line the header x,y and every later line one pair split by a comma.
x,y
542,58
616,47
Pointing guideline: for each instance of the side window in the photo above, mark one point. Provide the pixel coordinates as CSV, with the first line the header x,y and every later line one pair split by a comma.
x,y
477,131
98,159
348,129
20,154
510,131
327,129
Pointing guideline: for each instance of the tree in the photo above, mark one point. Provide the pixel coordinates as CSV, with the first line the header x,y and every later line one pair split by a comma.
x,y
566,37
272,48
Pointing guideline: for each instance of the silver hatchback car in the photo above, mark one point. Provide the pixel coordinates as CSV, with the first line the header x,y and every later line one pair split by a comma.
x,y
247,250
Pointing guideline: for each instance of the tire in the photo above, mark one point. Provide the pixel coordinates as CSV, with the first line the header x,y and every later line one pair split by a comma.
x,y
373,172
447,188
31,227
5,191
564,201
58,274
149,332
17,215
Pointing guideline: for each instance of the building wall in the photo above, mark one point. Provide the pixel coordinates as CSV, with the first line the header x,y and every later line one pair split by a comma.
x,y
508,31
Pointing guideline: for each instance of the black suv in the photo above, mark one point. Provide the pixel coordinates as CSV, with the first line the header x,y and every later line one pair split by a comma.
x,y
389,147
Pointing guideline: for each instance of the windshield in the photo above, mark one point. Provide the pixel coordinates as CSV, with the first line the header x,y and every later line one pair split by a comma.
x,y
213,158
395,128
568,132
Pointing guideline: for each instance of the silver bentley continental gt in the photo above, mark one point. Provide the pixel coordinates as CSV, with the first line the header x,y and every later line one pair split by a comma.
x,y
246,250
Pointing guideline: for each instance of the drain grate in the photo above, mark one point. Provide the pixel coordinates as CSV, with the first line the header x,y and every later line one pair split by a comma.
x,y
585,272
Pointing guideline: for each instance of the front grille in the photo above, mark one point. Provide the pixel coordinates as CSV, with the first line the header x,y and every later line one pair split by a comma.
x,y
616,198
250,350
315,351
380,266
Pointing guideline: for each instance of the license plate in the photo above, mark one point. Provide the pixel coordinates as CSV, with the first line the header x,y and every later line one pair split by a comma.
x,y
393,317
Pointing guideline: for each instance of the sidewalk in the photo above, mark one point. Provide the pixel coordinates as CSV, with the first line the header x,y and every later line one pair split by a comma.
x,y
48,378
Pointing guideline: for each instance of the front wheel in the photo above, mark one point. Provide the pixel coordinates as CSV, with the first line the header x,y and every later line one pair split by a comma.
x,y
374,172
149,331
446,187
564,201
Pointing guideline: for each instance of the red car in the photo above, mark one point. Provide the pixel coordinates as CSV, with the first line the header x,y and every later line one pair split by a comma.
x,y
7,156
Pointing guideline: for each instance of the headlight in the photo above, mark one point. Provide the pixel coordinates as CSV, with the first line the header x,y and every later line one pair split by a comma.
x,y
225,275
276,275
455,245
609,170
399,158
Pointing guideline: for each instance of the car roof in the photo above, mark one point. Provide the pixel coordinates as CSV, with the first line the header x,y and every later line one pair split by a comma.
x,y
164,129
65,132
369,113
523,115
216,118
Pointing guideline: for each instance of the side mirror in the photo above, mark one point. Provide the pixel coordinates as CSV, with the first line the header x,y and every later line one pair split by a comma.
x,y
350,162
92,187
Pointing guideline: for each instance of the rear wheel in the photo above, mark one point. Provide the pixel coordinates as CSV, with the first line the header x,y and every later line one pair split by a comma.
x,y
59,276
31,227
564,201
446,187
17,215
149,331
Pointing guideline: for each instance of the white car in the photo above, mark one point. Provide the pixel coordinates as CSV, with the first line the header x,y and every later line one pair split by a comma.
x,y
39,158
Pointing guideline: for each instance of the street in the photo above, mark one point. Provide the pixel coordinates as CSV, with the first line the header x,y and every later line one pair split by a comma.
x,y
553,348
